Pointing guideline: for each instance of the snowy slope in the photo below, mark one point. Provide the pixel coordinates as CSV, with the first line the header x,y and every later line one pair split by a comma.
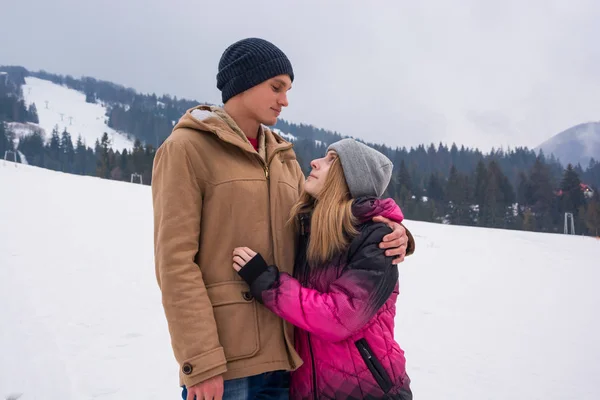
x,y
22,129
575,145
292,138
286,136
67,109
483,314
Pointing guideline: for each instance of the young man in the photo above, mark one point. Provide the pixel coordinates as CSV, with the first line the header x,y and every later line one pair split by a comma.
x,y
223,180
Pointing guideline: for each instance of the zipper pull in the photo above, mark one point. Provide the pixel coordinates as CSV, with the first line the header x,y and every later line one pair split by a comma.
x,y
266,172
366,351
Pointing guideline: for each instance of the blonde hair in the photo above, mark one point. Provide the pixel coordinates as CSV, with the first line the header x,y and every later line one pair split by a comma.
x,y
332,223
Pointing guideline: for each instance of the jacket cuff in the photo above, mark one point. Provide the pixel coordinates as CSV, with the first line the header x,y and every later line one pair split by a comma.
x,y
410,247
203,367
253,269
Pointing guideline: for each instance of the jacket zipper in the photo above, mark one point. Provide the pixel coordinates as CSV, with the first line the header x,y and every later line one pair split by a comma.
x,y
314,371
312,357
381,376
266,164
303,279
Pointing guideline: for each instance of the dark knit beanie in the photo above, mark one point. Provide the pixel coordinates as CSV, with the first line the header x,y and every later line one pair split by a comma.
x,y
249,62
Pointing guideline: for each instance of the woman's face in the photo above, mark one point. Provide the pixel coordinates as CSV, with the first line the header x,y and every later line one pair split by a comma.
x,y
318,175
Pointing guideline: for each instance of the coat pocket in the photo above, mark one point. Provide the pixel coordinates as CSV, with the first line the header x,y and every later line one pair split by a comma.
x,y
377,370
235,310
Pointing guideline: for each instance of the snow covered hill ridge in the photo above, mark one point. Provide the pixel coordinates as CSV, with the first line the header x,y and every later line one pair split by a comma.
x,y
63,108
578,144
483,314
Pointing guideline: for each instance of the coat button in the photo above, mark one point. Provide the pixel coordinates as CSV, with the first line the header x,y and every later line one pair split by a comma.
x,y
187,368
247,296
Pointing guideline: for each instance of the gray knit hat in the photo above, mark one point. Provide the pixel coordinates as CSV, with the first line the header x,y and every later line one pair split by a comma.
x,y
248,62
367,171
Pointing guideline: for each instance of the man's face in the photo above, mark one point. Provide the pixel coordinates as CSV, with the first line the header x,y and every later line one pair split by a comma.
x,y
266,100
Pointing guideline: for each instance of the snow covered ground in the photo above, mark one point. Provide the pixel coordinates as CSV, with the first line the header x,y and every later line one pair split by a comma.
x,y
67,108
483,314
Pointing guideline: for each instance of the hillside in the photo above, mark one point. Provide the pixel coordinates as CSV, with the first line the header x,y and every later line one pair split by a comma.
x,y
482,314
576,145
438,183
61,108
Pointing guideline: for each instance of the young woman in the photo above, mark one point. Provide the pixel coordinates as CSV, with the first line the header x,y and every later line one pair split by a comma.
x,y
343,293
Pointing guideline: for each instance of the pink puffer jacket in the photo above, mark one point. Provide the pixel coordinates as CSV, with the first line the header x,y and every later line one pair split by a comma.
x,y
344,313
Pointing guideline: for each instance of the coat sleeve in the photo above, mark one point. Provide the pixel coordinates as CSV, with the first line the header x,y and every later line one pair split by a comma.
x,y
410,247
351,301
300,178
177,205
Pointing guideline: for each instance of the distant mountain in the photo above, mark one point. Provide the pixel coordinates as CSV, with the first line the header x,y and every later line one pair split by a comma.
x,y
31,101
576,145
86,126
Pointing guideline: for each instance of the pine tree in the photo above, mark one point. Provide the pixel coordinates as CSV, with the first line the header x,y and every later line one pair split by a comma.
x,y
124,165
480,181
542,195
19,111
80,157
91,161
404,177
32,146
435,190
592,215
5,144
592,175
454,154
103,157
572,195
457,195
496,210
432,211
138,157
478,197
488,210
149,153
54,151
524,191
528,221
68,152
90,95
33,114
114,161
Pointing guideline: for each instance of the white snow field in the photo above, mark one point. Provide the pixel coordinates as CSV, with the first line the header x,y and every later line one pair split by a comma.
x,y
482,314
67,108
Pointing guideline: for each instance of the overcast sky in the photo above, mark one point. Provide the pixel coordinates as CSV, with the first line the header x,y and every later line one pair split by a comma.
x,y
476,72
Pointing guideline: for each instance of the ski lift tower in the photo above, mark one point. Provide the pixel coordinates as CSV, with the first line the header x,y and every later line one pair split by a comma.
x,y
568,216
137,176
10,155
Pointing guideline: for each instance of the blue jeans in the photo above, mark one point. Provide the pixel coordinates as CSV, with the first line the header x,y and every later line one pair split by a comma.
x,y
268,386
